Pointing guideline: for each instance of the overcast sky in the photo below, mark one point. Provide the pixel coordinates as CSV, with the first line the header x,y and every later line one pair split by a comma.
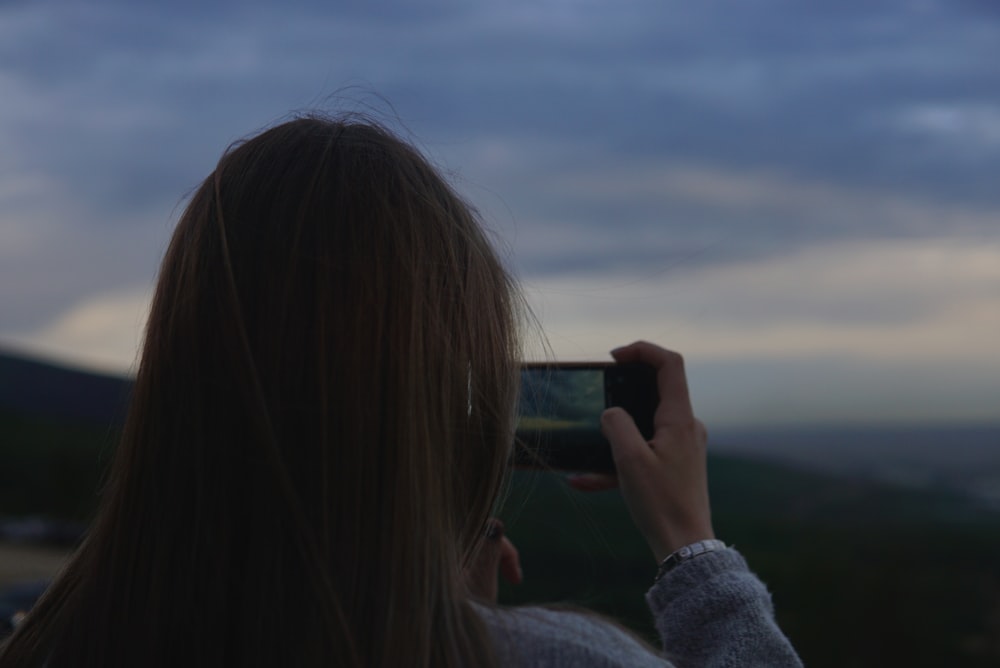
x,y
806,202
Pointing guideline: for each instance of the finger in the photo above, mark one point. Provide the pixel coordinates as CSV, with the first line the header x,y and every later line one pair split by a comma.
x,y
628,447
510,562
671,380
592,482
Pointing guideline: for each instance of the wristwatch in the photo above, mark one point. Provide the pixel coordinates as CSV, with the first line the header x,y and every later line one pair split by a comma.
x,y
688,552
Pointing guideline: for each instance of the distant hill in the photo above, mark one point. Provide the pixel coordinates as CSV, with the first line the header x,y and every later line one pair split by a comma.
x,y
46,390
860,569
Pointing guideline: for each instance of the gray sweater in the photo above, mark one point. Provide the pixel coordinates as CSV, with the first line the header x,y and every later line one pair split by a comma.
x,y
709,611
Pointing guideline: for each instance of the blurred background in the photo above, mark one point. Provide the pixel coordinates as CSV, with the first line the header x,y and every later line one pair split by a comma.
x,y
801,198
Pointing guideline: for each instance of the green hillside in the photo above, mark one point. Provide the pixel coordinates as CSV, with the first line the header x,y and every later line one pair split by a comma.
x,y
862,574
51,467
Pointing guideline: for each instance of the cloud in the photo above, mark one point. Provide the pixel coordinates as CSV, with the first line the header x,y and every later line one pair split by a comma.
x,y
578,213
664,167
885,331
840,392
853,332
124,118
102,332
57,251
969,126
904,301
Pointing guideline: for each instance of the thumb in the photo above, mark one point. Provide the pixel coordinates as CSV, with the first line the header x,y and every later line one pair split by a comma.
x,y
628,446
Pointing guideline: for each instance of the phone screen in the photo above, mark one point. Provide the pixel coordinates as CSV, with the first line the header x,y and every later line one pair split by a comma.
x,y
567,399
559,420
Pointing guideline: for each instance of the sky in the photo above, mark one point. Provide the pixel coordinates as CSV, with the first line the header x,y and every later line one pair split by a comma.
x,y
802,198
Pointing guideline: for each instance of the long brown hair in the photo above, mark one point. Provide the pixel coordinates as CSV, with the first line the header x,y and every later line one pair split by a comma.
x,y
319,428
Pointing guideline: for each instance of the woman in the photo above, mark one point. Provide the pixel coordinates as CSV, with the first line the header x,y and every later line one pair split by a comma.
x,y
320,429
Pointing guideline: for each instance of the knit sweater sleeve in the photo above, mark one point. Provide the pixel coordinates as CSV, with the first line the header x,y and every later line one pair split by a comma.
x,y
713,612
710,612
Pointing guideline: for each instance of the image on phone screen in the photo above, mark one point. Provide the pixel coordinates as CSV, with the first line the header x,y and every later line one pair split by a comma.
x,y
559,417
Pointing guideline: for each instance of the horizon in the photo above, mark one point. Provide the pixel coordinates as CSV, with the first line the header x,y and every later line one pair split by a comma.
x,y
724,427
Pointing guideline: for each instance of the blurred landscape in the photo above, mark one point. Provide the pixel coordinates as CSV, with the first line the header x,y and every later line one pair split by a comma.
x,y
881,545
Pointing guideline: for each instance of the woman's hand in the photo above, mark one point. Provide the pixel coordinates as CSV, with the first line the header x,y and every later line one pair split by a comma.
x,y
498,556
664,480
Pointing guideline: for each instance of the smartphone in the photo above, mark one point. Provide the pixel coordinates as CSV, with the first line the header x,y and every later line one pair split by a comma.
x,y
559,413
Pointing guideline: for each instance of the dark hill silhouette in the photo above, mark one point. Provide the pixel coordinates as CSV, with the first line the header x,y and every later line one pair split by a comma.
x,y
48,390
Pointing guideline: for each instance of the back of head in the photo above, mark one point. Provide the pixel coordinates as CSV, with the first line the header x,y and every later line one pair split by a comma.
x,y
319,427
